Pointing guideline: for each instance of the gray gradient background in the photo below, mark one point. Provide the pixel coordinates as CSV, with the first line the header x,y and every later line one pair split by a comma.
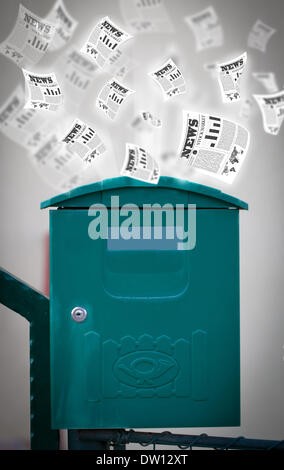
x,y
23,226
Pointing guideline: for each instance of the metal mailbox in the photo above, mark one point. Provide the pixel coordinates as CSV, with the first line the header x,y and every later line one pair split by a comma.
x,y
144,334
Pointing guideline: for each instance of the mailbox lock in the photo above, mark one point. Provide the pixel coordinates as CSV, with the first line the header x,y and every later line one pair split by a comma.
x,y
79,314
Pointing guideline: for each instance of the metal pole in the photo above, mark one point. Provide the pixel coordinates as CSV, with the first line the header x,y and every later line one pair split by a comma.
x,y
167,438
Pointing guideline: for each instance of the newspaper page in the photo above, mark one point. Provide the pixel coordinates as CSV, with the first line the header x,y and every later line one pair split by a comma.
x,y
229,74
25,127
206,28
76,73
84,141
272,110
140,165
170,79
260,35
146,16
65,25
268,80
214,145
29,40
119,64
151,119
111,97
42,91
104,39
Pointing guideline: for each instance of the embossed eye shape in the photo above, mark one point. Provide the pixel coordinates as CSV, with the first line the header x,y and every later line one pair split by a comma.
x,y
146,369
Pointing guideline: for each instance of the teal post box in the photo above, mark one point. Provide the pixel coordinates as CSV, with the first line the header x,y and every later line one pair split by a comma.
x,y
144,330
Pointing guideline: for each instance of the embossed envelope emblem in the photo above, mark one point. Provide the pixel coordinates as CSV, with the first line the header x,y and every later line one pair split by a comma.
x,y
146,369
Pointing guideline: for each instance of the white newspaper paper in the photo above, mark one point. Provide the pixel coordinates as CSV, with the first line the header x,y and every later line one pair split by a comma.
x,y
111,97
151,119
29,40
260,35
214,145
25,127
206,28
272,110
229,74
104,39
268,80
170,79
77,73
84,141
42,91
146,16
140,165
65,25
119,64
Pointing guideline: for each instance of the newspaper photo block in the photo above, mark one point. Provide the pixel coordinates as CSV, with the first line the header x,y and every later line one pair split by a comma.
x,y
214,145
84,141
104,39
206,28
42,91
229,74
140,165
170,79
111,97
29,40
146,16
268,81
272,110
260,35
64,23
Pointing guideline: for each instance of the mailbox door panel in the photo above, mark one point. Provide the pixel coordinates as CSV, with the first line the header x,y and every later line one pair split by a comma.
x,y
160,344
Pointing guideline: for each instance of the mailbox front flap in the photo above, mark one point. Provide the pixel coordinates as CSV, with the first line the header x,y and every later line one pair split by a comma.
x,y
130,190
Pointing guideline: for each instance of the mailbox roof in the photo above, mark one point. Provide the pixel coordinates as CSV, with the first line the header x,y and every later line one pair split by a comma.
x,y
126,182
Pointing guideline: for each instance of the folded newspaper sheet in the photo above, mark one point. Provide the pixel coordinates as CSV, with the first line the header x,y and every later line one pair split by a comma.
x,y
272,110
229,74
42,91
104,39
65,25
268,80
154,121
29,40
140,165
146,16
111,97
119,64
213,144
260,35
26,127
84,141
206,28
170,79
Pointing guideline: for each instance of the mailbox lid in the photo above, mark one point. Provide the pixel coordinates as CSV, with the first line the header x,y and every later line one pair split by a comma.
x,y
167,190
